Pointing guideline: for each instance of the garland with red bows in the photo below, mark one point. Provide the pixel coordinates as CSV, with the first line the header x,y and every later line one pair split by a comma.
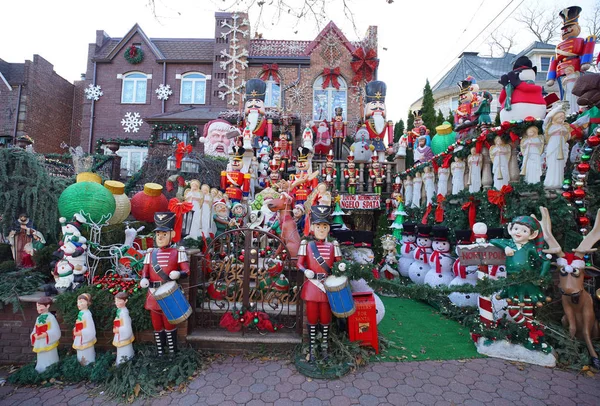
x,y
498,198
363,65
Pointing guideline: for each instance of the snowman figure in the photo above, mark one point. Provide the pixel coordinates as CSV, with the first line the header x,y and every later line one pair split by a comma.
x,y
407,248
73,247
63,275
419,268
463,274
264,149
440,260
362,149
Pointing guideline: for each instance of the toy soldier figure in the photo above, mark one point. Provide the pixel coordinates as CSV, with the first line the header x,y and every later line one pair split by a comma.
x,y
285,145
338,129
161,265
375,115
255,118
377,173
274,175
351,174
329,172
462,116
277,157
315,259
235,183
303,182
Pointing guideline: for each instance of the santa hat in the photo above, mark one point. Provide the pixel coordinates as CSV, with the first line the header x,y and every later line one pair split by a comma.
x,y
219,201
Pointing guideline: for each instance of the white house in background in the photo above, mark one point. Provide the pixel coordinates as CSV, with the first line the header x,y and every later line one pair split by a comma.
x,y
487,71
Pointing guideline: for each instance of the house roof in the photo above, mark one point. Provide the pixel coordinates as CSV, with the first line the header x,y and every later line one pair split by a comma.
x,y
535,45
331,27
277,48
189,114
136,29
186,49
13,73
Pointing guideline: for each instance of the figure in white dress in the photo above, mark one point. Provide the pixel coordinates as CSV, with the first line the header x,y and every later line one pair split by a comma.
x,y
194,195
457,168
206,228
532,147
408,191
443,177
84,332
45,335
500,155
417,190
557,150
475,163
429,183
122,330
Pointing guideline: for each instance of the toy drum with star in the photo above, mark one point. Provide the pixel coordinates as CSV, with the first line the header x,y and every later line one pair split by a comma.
x,y
173,303
339,295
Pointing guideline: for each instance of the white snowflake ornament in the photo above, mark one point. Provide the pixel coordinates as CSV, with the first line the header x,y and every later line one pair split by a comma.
x,y
234,60
163,92
93,92
132,122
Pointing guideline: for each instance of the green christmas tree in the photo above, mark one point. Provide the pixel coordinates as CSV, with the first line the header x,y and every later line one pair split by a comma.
x,y
427,108
450,117
398,221
398,130
439,119
410,123
338,221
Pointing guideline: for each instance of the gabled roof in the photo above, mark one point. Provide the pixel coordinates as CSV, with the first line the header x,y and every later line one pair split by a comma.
x,y
136,29
536,45
333,28
186,49
12,73
277,48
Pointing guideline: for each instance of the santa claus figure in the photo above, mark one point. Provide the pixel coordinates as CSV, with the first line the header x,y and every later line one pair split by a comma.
x,y
254,111
521,97
376,125
322,143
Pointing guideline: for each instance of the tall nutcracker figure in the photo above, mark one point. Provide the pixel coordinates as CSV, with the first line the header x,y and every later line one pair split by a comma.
x,y
573,56
277,157
375,118
235,183
463,115
315,259
377,174
285,144
338,129
351,174
329,172
303,182
163,264
254,112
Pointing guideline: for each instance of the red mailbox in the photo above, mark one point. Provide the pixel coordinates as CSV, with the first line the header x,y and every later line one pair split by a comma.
x,y
362,325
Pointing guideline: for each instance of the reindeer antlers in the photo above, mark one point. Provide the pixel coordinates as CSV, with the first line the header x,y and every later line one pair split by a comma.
x,y
588,242
546,223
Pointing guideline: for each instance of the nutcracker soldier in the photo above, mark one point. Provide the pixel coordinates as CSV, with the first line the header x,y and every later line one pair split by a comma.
x,y
338,129
255,117
161,265
377,173
286,147
277,157
463,114
316,259
274,175
375,118
329,172
573,56
351,174
235,183
303,182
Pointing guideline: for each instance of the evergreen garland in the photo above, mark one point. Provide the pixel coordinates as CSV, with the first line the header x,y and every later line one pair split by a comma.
x,y
18,283
124,142
159,128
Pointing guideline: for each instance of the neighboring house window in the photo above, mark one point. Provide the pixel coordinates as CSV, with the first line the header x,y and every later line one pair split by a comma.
x,y
193,89
273,93
454,104
132,159
326,100
545,62
181,136
134,88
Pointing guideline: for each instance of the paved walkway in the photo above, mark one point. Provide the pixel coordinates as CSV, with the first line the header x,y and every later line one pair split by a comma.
x,y
236,381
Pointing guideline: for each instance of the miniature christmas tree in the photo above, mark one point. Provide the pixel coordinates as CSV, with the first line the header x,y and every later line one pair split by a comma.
x,y
338,222
397,224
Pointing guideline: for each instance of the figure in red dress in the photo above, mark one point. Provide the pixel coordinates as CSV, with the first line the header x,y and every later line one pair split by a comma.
x,y
162,264
235,183
338,129
375,118
303,182
255,116
315,259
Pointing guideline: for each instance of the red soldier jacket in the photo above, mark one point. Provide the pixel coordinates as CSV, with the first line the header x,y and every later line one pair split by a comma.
x,y
286,149
260,129
338,128
239,187
329,170
571,52
169,259
351,175
320,262
302,191
377,175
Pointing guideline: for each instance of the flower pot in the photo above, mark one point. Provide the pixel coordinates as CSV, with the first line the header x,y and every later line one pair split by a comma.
x,y
113,146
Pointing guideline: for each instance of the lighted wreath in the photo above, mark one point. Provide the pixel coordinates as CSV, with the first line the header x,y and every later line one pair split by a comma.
x,y
134,55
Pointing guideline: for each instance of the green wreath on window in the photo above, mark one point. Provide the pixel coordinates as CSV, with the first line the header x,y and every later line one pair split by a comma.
x,y
134,55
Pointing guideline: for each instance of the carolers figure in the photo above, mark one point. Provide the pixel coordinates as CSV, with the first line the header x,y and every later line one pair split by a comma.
x,y
557,133
532,147
500,156
316,259
375,118
84,332
45,335
122,330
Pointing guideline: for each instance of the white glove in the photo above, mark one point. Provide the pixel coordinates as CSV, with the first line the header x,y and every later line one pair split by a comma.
x,y
62,220
342,267
144,283
309,274
174,275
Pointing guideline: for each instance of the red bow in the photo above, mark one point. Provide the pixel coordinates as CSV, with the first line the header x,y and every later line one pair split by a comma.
x,y
179,208
471,206
513,137
331,75
133,51
182,149
427,213
363,65
439,210
498,198
270,71
481,142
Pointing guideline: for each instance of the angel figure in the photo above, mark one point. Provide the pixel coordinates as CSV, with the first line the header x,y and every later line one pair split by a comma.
x,y
457,168
532,146
557,149
474,162
500,156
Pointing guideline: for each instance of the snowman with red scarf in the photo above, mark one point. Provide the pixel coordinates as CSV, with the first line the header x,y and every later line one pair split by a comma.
x,y
420,266
407,248
440,260
464,275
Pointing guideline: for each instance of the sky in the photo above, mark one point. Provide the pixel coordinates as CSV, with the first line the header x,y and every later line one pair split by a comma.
x,y
418,40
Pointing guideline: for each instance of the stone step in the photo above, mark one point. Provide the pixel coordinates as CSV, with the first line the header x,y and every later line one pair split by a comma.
x,y
235,343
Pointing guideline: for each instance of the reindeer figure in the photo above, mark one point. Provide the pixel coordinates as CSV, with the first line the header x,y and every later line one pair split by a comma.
x,y
578,304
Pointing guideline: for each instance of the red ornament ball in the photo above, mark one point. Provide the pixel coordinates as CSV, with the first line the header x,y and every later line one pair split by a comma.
x,y
583,167
567,195
583,221
579,193
147,202
593,141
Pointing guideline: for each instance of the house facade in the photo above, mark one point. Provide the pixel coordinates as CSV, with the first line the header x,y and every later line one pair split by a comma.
x,y
181,84
35,101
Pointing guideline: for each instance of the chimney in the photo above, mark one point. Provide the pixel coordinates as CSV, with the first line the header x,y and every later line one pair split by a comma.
x,y
101,37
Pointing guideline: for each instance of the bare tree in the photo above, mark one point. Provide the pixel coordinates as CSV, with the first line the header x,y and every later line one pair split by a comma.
x,y
541,21
500,43
591,19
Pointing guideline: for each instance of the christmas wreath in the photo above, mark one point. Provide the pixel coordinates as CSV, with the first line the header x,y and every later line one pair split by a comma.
x,y
134,55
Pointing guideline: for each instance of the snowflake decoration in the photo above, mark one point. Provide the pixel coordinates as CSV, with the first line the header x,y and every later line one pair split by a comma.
x,y
330,49
132,122
234,60
297,96
93,92
163,92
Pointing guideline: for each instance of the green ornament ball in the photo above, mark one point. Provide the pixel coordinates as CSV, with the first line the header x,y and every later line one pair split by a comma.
x,y
90,198
255,320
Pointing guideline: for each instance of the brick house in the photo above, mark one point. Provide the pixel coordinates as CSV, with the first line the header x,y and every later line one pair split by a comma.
x,y
35,101
200,74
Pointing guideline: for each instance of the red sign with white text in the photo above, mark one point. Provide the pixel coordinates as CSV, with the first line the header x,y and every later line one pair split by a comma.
x,y
361,202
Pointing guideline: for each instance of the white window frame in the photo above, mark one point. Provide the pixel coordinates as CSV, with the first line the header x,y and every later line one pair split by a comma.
x,y
317,86
125,154
187,78
271,83
129,77
166,135
541,65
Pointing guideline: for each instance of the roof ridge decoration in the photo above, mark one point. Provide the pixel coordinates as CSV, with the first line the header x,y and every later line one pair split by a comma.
x,y
136,29
330,27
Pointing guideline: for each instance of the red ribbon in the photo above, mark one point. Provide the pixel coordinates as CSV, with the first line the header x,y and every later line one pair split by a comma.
x,y
427,213
179,208
181,150
472,211
270,70
421,252
481,142
439,210
498,198
459,270
435,258
133,51
331,76
408,245
364,65
513,137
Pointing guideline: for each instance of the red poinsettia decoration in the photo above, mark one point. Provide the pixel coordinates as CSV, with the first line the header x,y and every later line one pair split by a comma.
x,y
364,64
535,333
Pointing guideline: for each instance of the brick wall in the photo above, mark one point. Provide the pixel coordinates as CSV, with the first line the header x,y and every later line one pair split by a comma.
x,y
8,101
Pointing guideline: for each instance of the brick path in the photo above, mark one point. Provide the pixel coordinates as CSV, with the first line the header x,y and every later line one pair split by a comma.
x,y
236,381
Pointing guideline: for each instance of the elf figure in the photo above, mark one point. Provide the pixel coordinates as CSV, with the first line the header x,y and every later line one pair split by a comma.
x,y
351,174
45,335
84,332
315,259
122,330
161,265
377,174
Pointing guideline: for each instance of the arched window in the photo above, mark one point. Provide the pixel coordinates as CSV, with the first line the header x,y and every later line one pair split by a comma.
x,y
134,88
273,92
326,100
193,88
